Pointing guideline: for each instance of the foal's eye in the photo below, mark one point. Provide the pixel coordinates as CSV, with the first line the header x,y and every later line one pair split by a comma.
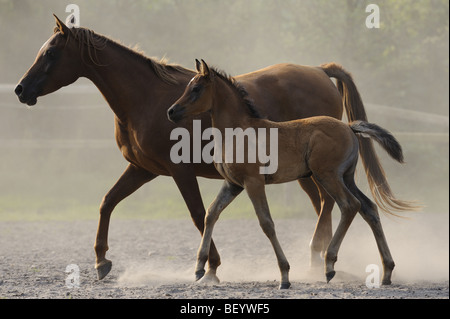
x,y
196,89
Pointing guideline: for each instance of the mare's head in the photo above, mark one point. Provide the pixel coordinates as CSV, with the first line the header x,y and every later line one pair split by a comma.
x,y
197,97
57,64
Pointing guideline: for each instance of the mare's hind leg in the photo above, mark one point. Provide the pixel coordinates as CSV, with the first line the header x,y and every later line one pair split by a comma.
x,y
258,197
323,204
227,194
369,211
349,206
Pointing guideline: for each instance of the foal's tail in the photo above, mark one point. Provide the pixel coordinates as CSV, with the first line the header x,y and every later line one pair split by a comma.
x,y
382,136
355,111
379,186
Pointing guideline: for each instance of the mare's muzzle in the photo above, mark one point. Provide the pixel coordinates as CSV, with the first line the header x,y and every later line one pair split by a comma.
x,y
175,113
28,97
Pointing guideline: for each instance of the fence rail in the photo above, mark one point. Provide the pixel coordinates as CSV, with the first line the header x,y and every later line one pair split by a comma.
x,y
438,123
110,143
59,143
72,89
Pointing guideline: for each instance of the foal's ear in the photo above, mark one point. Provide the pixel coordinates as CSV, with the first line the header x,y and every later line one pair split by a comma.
x,y
205,69
61,27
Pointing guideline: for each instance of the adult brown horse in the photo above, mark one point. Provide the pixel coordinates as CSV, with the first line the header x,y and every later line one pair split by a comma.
x,y
139,90
320,146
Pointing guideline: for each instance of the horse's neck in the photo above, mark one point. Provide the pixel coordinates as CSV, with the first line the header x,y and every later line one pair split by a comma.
x,y
228,109
124,81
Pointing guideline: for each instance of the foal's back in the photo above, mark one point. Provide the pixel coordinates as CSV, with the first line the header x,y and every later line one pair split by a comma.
x,y
305,147
327,144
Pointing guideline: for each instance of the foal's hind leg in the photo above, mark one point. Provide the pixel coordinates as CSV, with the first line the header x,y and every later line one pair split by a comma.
x,y
349,206
369,212
258,197
323,204
227,193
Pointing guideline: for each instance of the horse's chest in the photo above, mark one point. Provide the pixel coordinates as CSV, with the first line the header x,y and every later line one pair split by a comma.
x,y
132,151
128,149
129,152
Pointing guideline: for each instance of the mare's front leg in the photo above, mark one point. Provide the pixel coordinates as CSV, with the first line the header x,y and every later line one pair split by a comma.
x,y
227,193
256,192
132,178
187,184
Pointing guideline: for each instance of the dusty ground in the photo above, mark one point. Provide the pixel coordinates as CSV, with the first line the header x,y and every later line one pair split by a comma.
x,y
155,259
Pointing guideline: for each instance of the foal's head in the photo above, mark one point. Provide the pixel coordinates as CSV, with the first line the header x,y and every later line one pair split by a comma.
x,y
57,64
197,97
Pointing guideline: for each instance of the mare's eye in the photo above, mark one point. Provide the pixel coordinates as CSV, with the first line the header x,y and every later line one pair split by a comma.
x,y
50,54
196,89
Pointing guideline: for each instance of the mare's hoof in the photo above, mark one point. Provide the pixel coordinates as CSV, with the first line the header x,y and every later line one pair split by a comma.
x,y
285,285
199,274
103,269
330,275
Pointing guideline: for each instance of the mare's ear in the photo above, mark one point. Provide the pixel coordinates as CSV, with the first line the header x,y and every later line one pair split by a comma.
x,y
198,65
61,27
205,69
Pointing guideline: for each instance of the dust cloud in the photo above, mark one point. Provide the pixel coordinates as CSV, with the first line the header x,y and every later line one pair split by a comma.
x,y
418,245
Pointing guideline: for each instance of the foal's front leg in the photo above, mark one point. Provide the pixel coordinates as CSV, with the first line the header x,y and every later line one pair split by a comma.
x,y
257,195
227,193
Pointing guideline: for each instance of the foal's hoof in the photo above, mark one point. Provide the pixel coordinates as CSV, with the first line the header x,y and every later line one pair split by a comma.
x,y
103,269
199,274
285,285
386,282
209,278
330,275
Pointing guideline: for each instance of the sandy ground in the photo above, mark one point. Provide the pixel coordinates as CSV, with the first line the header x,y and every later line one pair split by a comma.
x,y
155,259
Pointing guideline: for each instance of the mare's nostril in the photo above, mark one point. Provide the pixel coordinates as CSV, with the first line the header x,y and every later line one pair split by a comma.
x,y
18,90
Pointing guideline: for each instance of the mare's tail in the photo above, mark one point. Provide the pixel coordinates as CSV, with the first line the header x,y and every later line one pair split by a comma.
x,y
355,111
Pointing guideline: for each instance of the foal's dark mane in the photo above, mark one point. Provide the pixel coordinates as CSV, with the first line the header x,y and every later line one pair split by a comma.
x,y
239,88
97,42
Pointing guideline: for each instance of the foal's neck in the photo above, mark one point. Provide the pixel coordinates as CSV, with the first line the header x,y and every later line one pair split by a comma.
x,y
229,109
